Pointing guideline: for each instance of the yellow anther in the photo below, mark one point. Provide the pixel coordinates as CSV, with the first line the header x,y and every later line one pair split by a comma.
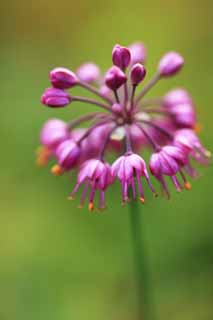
x,y
91,206
70,198
208,154
187,185
57,170
142,200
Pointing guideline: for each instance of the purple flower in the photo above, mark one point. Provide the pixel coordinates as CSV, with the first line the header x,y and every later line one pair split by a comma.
x,y
137,74
188,141
68,154
95,175
127,169
55,98
115,78
168,162
63,78
53,132
179,104
170,64
121,56
138,53
126,123
88,72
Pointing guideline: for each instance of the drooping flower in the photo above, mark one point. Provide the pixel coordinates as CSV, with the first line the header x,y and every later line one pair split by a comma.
x,y
95,175
128,169
128,125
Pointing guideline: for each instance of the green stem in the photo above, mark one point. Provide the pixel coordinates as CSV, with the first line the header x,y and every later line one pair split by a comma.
x,y
145,309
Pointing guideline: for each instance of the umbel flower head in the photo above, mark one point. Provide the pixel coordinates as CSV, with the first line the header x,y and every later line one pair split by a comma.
x,y
124,122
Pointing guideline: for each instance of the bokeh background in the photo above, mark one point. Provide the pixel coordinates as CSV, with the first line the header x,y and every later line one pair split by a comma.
x,y
59,262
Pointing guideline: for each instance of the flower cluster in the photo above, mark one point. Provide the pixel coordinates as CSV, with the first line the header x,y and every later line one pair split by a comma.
x,y
124,122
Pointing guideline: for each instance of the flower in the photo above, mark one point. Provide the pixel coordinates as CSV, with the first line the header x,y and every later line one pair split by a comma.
x,y
168,161
88,72
63,78
55,98
170,64
138,52
127,123
96,176
137,73
121,56
127,169
115,78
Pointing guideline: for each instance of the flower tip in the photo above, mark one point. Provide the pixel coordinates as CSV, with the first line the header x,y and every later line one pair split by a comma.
x,y
121,56
187,185
91,206
57,170
170,64
142,200
70,198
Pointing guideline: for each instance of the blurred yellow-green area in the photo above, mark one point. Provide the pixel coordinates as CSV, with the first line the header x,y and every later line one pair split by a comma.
x,y
59,262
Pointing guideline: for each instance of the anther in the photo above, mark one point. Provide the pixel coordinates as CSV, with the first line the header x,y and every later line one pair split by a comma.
x,y
187,185
91,206
57,170
142,200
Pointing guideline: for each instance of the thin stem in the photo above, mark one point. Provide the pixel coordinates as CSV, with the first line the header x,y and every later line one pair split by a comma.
x,y
145,307
87,133
125,94
148,86
152,102
128,139
155,146
89,116
116,96
155,126
157,110
91,101
132,96
105,143
95,91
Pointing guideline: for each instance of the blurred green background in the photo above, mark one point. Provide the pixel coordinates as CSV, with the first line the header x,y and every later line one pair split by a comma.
x,y
58,262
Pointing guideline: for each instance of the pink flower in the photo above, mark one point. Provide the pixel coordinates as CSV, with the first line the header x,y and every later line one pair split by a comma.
x,y
127,168
95,175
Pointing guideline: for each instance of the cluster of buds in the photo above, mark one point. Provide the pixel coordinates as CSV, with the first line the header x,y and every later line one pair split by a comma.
x,y
125,123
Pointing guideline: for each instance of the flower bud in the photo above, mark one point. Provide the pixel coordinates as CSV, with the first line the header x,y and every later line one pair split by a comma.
x,y
117,108
121,56
54,132
170,64
63,78
137,74
138,53
88,72
55,98
68,154
176,96
115,78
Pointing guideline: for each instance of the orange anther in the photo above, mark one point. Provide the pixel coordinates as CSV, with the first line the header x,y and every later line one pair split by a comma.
x,y
187,185
91,206
197,128
57,170
142,200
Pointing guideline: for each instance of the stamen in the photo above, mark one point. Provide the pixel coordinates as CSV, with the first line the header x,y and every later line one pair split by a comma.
x,y
176,183
116,96
91,206
133,189
197,127
142,200
164,186
187,185
101,200
43,154
95,91
91,101
140,188
57,170
148,86
83,196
